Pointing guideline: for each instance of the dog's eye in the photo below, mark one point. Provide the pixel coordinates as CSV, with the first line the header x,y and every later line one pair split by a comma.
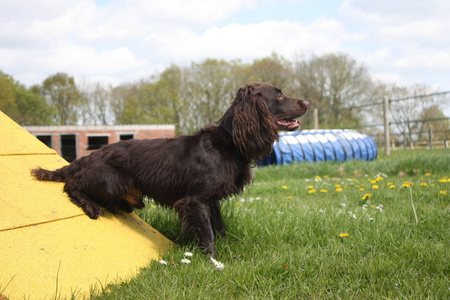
x,y
280,96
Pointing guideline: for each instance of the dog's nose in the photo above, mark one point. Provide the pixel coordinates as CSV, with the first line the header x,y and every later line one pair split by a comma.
x,y
304,104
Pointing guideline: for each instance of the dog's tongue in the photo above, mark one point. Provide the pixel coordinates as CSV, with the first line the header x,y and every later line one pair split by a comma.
x,y
289,124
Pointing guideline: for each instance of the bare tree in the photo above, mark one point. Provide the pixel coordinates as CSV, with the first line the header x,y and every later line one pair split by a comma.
x,y
332,82
97,109
406,108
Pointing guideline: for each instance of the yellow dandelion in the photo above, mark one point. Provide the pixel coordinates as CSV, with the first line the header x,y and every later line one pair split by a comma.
x,y
318,177
366,196
406,185
310,187
392,186
375,187
423,184
443,180
344,234
289,197
239,204
443,192
326,176
379,179
361,189
427,174
323,191
337,186
339,189
284,187
311,191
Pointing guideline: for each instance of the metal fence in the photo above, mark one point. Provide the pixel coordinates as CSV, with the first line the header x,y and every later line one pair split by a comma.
x,y
388,137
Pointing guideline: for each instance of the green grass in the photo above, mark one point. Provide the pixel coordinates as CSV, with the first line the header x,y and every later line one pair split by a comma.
x,y
283,241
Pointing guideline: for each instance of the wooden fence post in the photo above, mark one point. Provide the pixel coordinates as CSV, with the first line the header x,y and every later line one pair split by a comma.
x,y
387,144
316,118
430,138
405,142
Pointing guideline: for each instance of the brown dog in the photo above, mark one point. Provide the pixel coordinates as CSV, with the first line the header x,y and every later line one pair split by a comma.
x,y
190,173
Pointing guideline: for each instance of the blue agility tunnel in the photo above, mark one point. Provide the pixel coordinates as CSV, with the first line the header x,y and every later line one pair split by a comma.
x,y
321,145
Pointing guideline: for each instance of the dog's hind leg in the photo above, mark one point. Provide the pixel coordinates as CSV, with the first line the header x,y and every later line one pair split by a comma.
x,y
103,186
195,215
216,218
133,199
81,199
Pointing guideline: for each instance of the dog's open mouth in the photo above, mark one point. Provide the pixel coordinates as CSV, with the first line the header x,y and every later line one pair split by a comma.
x,y
288,124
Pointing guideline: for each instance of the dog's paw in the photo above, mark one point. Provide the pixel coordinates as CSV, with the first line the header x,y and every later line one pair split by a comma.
x,y
210,251
93,210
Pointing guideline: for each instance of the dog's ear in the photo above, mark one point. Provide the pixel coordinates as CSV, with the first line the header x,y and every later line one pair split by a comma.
x,y
254,127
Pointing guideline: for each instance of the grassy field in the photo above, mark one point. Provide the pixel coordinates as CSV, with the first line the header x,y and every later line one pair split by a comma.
x,y
353,230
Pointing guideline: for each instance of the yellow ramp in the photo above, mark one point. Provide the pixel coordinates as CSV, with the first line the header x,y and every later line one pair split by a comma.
x,y
49,249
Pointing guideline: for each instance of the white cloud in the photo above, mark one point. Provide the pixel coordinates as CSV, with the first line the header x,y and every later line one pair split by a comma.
x,y
122,40
84,39
438,60
406,41
394,12
79,61
252,41
388,78
118,20
430,29
87,59
379,55
193,11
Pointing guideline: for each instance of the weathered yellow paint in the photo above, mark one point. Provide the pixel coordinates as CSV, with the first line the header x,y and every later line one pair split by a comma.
x,y
14,140
48,247
25,201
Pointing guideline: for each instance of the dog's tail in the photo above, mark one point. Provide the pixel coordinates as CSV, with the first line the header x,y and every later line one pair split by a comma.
x,y
47,175
63,174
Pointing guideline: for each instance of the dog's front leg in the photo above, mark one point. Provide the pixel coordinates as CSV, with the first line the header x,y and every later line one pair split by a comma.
x,y
195,215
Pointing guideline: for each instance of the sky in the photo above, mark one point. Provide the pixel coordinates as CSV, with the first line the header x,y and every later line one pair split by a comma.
x,y
111,42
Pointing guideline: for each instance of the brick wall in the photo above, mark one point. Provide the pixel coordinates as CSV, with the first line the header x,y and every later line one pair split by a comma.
x,y
59,137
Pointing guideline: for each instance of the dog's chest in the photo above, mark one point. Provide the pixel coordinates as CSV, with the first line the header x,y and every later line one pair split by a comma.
x,y
239,180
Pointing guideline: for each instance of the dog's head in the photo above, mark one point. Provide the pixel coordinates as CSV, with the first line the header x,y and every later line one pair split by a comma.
x,y
258,111
284,109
